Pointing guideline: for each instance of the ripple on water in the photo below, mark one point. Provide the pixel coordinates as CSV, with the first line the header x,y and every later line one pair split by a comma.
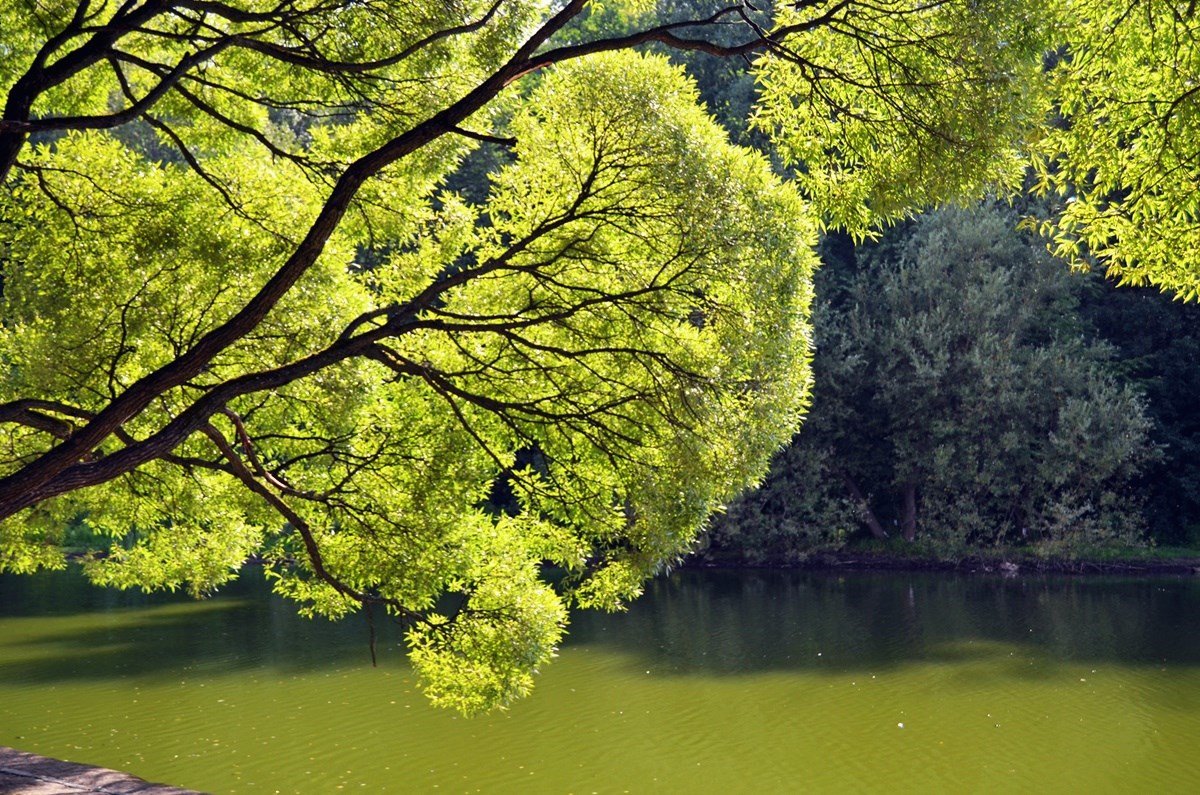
x,y
711,683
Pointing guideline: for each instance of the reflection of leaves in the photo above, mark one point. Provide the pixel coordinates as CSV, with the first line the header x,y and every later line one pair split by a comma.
x,y
90,633
740,622
706,623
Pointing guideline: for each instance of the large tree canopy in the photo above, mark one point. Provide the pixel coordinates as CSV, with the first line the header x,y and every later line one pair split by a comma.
x,y
243,314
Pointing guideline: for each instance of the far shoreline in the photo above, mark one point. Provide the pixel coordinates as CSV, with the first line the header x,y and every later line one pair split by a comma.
x,y
1010,564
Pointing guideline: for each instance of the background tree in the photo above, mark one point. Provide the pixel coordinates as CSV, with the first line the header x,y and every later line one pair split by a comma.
x,y
1158,344
958,399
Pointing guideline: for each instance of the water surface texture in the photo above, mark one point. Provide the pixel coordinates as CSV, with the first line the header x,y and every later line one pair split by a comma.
x,y
713,682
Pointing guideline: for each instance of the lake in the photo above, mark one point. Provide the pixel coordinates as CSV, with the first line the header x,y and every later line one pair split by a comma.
x,y
715,681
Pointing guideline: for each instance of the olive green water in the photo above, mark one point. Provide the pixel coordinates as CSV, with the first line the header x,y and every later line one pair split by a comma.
x,y
714,682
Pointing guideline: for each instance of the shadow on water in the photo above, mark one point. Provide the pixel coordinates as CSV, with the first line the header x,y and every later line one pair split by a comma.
x,y
693,622
737,622
83,632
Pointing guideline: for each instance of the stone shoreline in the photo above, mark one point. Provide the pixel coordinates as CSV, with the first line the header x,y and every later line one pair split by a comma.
x,y
23,773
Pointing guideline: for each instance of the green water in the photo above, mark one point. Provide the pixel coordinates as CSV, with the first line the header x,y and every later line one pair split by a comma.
x,y
714,682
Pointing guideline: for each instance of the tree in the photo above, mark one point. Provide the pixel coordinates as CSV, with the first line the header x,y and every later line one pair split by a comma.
x,y
959,400
243,315
1158,339
1123,153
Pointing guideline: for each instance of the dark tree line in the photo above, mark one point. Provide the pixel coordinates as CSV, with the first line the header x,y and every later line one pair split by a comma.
x,y
972,391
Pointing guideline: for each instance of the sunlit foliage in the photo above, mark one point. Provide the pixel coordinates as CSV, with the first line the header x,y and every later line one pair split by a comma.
x,y
1123,155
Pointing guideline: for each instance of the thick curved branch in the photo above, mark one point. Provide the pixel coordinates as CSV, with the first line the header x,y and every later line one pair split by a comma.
x,y
38,414
17,488
87,472
308,60
126,115
669,36
48,474
40,77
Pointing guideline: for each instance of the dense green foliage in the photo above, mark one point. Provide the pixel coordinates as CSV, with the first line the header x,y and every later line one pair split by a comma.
x,y
1123,151
1158,349
606,235
958,400
259,299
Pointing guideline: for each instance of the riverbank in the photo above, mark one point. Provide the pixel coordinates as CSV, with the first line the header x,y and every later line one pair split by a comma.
x,y
914,557
23,773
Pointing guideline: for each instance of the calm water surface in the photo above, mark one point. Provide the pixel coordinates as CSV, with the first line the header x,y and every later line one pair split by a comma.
x,y
714,682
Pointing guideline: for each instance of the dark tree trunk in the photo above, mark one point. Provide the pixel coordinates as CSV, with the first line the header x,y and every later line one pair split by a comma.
x,y
864,507
910,512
